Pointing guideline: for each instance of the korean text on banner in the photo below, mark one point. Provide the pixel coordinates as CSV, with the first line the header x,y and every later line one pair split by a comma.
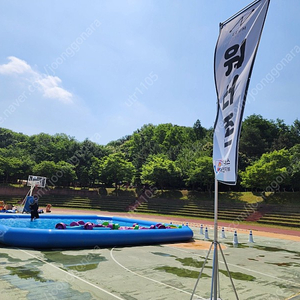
x,y
234,58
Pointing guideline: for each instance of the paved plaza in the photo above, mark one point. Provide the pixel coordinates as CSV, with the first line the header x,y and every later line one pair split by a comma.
x,y
267,269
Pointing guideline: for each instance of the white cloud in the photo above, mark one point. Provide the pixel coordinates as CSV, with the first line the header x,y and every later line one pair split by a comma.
x,y
51,89
50,86
15,66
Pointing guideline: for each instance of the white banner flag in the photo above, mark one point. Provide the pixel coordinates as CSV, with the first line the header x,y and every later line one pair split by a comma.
x,y
234,57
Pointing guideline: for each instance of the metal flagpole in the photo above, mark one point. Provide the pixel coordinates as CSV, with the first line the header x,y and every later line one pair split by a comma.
x,y
215,261
215,284
215,290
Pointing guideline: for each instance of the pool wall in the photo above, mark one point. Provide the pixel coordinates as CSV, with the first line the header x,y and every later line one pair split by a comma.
x,y
55,238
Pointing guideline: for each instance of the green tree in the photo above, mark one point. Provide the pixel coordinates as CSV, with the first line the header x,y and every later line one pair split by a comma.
x,y
295,130
257,136
175,137
60,174
141,144
201,173
95,169
82,159
161,171
285,138
269,173
116,169
46,169
10,167
294,169
15,164
199,131
189,153
65,173
41,147
9,138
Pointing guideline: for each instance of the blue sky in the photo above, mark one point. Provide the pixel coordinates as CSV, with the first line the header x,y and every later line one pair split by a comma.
x,y
100,69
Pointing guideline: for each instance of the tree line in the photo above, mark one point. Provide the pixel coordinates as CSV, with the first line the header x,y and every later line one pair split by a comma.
x,y
166,156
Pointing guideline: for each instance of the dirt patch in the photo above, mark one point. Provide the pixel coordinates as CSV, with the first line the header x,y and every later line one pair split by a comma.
x,y
198,245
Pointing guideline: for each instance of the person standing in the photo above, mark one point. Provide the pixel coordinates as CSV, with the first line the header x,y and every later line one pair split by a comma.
x,y
34,207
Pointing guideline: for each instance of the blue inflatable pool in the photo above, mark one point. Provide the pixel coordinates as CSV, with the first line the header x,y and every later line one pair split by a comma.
x,y
86,231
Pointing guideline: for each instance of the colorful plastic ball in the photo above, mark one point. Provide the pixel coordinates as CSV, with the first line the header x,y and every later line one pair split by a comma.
x,y
88,226
161,226
116,226
74,224
60,226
